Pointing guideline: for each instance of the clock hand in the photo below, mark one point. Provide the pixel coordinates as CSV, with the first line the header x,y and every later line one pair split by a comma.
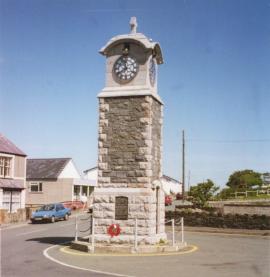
x,y
121,68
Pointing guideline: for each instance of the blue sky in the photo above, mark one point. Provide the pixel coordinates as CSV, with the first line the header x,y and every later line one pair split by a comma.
x,y
214,81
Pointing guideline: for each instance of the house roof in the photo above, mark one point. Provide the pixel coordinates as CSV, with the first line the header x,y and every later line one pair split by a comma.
x,y
170,179
7,147
45,169
90,169
170,185
11,184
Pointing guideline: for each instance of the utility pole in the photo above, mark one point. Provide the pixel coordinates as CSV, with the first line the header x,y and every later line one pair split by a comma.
x,y
188,181
183,166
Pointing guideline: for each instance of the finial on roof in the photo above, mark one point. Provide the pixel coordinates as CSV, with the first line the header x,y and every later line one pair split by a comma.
x,y
133,25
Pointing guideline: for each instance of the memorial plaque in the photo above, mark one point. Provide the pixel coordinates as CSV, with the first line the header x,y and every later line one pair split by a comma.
x,y
121,208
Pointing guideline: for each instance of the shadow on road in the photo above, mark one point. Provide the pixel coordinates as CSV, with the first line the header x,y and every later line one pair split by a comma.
x,y
52,240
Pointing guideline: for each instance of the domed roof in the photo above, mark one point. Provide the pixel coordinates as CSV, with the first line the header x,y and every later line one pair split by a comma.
x,y
135,38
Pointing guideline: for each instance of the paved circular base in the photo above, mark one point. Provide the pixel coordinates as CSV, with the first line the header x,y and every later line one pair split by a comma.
x,y
116,248
75,259
185,250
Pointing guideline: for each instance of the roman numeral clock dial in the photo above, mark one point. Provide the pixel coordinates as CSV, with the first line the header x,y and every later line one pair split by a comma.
x,y
125,69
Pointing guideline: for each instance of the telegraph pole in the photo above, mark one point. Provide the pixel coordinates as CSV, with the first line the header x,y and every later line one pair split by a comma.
x,y
188,181
183,166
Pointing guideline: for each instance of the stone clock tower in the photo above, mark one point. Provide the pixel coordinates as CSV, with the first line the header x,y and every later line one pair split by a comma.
x,y
130,142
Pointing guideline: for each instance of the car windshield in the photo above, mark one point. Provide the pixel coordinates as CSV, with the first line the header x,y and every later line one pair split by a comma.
x,y
47,208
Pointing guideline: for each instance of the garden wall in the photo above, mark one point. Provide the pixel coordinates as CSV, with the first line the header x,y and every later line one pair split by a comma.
x,y
217,220
6,217
250,209
259,207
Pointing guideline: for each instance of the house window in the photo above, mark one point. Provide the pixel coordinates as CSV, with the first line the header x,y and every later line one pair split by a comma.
x,y
76,192
84,190
35,187
5,167
90,190
11,200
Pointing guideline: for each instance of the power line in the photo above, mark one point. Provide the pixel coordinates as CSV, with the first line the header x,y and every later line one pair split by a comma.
x,y
228,141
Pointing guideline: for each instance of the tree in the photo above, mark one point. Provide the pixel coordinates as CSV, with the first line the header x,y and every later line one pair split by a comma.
x,y
203,192
225,193
244,180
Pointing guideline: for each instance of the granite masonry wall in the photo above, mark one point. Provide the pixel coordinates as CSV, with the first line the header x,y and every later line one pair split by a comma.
x,y
129,141
156,138
129,161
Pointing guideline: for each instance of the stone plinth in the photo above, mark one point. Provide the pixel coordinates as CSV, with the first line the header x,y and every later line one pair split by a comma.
x,y
141,205
127,248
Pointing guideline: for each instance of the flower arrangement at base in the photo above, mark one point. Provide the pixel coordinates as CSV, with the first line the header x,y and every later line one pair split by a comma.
x,y
114,230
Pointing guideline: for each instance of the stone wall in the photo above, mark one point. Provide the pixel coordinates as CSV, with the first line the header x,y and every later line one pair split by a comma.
x,y
217,220
129,141
142,205
156,138
128,163
6,217
259,207
246,209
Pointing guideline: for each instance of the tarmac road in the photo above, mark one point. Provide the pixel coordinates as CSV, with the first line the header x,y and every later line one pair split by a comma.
x,y
22,250
217,255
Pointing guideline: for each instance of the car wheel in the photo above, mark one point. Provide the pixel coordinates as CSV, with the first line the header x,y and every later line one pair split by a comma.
x,y
66,217
52,219
33,221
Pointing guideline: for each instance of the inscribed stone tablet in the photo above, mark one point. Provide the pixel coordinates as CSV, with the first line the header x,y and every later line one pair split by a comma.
x,y
121,208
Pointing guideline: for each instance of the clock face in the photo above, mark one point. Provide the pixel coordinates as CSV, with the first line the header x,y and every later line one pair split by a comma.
x,y
152,72
125,69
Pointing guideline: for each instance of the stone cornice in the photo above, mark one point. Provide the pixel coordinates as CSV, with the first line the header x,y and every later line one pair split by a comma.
x,y
129,91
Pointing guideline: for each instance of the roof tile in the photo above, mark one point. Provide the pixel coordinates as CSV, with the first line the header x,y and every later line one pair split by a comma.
x,y
7,147
46,169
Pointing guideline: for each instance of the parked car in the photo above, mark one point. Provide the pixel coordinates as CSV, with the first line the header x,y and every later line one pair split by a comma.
x,y
51,213
168,200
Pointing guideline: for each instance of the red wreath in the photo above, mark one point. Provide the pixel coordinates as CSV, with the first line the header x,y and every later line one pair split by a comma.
x,y
114,230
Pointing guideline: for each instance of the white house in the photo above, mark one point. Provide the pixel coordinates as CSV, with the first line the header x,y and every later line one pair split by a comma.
x,y
169,185
91,174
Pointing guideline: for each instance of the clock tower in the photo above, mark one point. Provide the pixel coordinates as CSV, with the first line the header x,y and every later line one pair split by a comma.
x,y
130,142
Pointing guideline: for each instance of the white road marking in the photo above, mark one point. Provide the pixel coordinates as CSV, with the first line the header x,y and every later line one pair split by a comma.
x,y
27,233
45,253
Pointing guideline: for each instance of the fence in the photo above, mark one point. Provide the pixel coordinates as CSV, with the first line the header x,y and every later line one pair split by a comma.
x,y
251,193
181,222
83,226
91,229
